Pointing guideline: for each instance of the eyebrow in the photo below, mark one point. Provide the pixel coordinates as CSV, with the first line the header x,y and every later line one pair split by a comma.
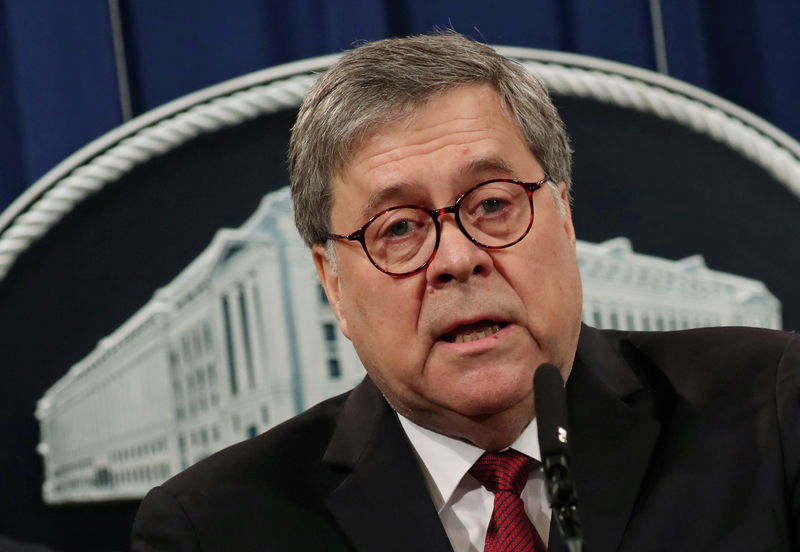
x,y
486,164
377,200
381,197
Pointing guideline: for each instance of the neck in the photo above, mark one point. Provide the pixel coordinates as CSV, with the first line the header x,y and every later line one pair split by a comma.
x,y
492,432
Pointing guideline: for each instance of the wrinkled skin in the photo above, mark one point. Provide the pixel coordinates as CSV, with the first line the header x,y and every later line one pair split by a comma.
x,y
479,390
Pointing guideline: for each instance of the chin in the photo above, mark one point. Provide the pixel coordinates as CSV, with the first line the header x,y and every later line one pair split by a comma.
x,y
497,404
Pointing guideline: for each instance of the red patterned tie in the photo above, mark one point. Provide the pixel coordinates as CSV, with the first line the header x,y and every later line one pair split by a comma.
x,y
505,474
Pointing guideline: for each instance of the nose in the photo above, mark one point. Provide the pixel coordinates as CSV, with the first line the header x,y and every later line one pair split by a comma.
x,y
457,259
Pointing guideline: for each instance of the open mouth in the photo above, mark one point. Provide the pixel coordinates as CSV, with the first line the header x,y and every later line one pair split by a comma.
x,y
473,332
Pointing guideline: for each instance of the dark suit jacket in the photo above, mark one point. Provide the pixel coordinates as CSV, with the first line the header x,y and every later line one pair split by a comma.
x,y
681,441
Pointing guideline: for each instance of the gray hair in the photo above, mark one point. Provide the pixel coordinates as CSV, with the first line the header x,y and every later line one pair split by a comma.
x,y
381,82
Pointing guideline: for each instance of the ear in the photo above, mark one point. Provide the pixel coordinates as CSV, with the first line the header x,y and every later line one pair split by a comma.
x,y
568,227
329,278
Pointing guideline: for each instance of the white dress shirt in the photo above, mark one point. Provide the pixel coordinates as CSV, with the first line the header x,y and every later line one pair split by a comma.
x,y
464,505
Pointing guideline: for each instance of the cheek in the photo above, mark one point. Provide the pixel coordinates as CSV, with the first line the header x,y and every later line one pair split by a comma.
x,y
382,312
549,284
369,304
383,322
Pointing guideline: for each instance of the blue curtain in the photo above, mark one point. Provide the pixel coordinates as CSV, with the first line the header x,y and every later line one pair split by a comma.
x,y
58,71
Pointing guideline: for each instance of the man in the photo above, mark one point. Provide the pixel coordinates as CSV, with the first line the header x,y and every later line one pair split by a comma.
x,y
431,180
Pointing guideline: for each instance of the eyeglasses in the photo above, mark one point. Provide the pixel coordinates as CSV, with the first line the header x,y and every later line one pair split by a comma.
x,y
402,240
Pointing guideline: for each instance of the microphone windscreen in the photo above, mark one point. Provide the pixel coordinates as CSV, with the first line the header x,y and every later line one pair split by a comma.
x,y
551,410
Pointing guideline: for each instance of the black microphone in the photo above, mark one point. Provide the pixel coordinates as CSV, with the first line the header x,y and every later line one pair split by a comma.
x,y
551,421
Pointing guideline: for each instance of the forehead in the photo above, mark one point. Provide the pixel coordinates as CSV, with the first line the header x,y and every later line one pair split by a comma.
x,y
463,134
467,110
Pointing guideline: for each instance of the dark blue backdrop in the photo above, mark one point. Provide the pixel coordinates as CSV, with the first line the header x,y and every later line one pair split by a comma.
x,y
59,90
58,79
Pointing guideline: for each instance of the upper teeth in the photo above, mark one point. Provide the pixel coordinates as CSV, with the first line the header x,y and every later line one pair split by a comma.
x,y
472,335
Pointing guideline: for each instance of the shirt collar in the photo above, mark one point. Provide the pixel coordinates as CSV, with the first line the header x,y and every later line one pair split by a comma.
x,y
445,460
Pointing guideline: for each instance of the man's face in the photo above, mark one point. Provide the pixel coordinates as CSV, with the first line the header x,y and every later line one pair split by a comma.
x,y
454,347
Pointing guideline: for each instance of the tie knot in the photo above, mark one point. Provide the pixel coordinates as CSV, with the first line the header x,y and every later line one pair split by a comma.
x,y
502,471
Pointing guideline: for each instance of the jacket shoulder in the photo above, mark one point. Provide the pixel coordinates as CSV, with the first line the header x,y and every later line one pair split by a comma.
x,y
737,345
708,363
269,490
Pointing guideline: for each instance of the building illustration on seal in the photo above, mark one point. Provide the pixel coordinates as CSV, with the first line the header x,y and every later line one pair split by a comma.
x,y
243,338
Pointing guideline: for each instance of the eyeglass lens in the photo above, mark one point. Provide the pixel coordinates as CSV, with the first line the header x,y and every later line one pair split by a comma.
x,y
402,239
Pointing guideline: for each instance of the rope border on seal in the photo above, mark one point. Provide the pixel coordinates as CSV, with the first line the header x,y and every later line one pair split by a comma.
x,y
231,103
705,119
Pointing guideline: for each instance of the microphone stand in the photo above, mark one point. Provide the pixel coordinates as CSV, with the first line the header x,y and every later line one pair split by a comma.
x,y
551,420
563,500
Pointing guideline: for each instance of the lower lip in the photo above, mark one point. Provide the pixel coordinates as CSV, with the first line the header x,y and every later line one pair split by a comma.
x,y
478,345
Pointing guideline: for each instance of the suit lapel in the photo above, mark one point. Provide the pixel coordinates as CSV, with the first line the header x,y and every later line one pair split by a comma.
x,y
555,543
613,433
383,504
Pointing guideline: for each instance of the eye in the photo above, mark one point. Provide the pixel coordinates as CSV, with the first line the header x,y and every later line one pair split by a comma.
x,y
493,201
492,205
400,228
489,207
398,224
